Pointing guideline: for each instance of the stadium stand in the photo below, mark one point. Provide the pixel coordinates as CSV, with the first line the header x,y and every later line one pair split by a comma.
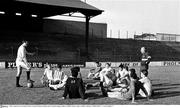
x,y
70,49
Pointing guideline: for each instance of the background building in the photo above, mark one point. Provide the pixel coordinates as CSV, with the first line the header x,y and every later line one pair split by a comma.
x,y
167,37
145,36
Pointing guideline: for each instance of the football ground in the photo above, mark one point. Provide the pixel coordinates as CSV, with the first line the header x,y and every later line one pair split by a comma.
x,y
165,80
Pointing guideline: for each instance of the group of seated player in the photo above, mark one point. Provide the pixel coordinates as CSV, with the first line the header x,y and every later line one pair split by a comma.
x,y
56,79
123,85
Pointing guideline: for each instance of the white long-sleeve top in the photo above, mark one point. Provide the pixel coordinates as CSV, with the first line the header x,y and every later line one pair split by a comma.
x,y
21,54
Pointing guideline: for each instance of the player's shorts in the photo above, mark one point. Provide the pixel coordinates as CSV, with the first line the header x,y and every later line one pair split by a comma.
x,y
23,65
57,86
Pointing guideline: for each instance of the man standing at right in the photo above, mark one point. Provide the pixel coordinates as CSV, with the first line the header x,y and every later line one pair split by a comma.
x,y
145,60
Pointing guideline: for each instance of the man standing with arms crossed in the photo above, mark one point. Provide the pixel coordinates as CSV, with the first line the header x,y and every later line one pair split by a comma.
x,y
21,62
145,60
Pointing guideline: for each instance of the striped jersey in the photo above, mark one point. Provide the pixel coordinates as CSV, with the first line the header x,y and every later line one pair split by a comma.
x,y
59,75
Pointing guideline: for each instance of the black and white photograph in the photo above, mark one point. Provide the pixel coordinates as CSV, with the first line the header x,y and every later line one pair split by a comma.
x,y
89,53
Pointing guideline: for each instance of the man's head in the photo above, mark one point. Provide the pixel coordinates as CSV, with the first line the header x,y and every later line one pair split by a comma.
x,y
25,43
98,64
133,74
143,50
59,67
107,65
144,73
75,71
121,66
48,66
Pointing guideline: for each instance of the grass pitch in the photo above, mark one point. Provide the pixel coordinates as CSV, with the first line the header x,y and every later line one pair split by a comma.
x,y
166,85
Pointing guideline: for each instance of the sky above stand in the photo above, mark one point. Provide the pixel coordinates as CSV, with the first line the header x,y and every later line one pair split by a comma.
x,y
136,16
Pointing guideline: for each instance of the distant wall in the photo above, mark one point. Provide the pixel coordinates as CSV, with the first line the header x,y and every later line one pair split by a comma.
x,y
98,30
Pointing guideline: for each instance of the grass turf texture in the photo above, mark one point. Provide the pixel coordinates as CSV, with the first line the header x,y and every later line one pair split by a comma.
x,y
166,85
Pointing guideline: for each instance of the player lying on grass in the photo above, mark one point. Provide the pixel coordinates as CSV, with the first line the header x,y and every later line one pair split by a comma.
x,y
59,79
122,75
74,87
107,79
146,83
21,62
94,73
133,90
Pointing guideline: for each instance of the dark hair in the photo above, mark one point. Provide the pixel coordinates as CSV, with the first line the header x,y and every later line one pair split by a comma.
x,y
114,71
133,73
145,72
24,41
109,64
59,66
74,71
121,65
98,63
126,67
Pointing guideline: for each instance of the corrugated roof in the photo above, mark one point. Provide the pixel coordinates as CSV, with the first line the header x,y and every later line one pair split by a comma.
x,y
144,35
64,3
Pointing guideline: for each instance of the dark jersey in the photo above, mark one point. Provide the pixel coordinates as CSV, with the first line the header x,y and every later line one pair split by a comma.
x,y
145,60
74,88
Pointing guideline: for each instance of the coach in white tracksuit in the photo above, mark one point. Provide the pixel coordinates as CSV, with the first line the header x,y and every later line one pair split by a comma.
x,y
21,62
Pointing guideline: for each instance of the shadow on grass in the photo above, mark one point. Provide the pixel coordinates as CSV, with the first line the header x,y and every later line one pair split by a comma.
x,y
166,84
90,81
40,86
93,96
164,88
165,94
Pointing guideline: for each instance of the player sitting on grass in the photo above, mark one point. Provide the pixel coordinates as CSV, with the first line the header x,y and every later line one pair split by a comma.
x,y
134,88
105,76
122,75
94,73
74,86
47,77
146,83
59,79
107,79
